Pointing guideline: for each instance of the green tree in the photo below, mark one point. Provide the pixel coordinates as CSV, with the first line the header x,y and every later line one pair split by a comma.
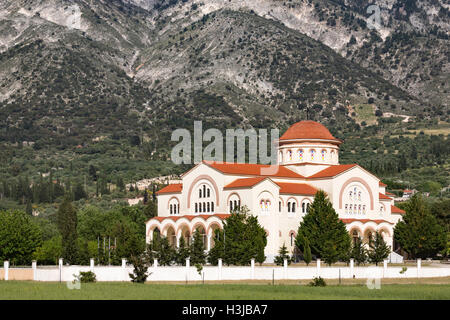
x,y
197,253
19,237
241,239
67,225
419,232
150,209
379,250
327,234
359,252
307,257
140,267
282,254
49,252
182,253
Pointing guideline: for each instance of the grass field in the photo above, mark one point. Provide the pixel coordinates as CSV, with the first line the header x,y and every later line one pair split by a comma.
x,y
433,289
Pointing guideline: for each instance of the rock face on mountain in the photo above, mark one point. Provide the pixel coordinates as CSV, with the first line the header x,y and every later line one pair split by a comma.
x,y
71,69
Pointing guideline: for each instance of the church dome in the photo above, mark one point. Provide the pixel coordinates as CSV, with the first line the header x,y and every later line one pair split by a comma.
x,y
308,130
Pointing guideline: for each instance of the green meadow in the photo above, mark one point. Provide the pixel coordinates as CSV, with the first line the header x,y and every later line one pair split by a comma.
x,y
26,290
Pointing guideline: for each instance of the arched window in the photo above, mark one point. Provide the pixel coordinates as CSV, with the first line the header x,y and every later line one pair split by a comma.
x,y
209,206
208,192
289,207
355,237
196,207
212,206
281,156
200,207
293,206
350,195
324,153
279,206
364,209
300,154
200,193
292,239
303,207
359,196
231,205
313,153
346,209
307,207
204,207
235,204
170,209
289,155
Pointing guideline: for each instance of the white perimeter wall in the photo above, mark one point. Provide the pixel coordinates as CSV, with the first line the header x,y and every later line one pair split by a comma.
x,y
118,273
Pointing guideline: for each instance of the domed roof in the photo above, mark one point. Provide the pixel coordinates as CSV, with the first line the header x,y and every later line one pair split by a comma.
x,y
308,129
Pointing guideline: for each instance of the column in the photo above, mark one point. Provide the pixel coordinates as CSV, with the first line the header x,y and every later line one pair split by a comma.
x,y
34,267
155,263
125,275
385,264
352,265
285,265
318,267
60,265
252,269
188,263
92,264
219,265
419,267
209,242
6,269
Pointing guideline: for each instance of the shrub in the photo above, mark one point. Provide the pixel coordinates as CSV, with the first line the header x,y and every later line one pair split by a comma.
x,y
317,282
88,276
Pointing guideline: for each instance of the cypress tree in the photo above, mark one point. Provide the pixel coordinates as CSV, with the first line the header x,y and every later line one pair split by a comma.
x,y
379,250
327,235
307,252
182,253
197,253
359,252
67,225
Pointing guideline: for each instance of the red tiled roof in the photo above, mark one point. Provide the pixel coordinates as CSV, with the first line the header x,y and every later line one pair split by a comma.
x,y
390,194
383,196
378,221
221,216
171,188
252,169
395,209
296,188
308,130
245,182
332,171
381,184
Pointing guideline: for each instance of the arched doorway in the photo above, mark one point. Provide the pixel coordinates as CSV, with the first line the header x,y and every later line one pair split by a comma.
x,y
171,236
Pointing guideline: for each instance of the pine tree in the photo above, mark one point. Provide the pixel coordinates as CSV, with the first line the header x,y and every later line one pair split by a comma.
x,y
182,253
67,225
327,234
307,252
197,253
359,252
216,251
29,208
379,250
419,233
282,254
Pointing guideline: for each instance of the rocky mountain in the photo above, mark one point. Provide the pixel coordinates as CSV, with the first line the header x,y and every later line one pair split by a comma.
x,y
72,70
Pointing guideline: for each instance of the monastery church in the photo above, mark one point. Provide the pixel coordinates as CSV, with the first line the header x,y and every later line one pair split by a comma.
x,y
308,160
